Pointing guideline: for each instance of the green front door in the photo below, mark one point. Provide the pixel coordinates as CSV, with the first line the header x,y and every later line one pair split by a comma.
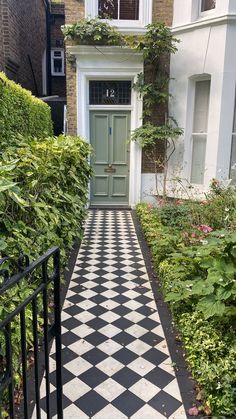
x,y
109,132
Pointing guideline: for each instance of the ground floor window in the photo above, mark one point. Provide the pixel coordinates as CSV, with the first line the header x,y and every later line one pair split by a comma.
x,y
199,135
232,173
208,5
119,9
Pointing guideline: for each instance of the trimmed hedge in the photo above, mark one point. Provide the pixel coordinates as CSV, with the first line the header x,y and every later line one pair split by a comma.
x,y
21,113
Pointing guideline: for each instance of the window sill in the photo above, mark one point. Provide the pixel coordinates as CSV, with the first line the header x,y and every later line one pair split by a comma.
x,y
58,75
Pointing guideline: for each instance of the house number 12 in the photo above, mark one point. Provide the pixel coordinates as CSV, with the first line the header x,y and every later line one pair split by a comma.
x,y
110,93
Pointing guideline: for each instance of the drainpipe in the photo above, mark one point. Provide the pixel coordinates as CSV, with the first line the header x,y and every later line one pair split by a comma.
x,y
48,47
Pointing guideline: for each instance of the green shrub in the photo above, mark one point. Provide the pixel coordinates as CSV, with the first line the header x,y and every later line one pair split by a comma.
x,y
43,193
21,113
198,278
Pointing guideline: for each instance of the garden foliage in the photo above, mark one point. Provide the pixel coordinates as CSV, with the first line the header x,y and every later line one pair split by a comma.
x,y
21,113
196,262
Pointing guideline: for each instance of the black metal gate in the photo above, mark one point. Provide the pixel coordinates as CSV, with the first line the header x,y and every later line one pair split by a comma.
x,y
40,281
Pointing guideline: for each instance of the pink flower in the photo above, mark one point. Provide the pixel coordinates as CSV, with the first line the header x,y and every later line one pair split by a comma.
x,y
205,228
193,411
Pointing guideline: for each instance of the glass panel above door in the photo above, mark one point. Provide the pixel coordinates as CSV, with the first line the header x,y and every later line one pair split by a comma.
x,y
110,92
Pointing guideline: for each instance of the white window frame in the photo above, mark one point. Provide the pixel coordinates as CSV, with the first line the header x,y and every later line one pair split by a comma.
x,y
54,73
206,12
200,133
145,15
233,139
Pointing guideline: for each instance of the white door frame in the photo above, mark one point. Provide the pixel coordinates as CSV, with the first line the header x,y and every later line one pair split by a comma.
x,y
114,63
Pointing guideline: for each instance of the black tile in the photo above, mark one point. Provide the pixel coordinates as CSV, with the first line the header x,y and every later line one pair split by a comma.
x,y
165,404
146,311
91,403
67,376
128,403
97,310
143,299
94,356
98,299
68,338
120,289
151,338
126,377
97,323
155,356
122,323
141,289
124,338
121,310
53,403
77,289
76,299
95,338
99,289
67,355
121,299
159,377
125,356
71,323
93,377
73,310
148,324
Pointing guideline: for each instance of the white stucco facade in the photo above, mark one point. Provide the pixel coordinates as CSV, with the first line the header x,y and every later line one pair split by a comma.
x,y
206,51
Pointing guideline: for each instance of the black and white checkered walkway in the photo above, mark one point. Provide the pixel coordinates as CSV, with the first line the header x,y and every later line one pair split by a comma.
x,y
116,362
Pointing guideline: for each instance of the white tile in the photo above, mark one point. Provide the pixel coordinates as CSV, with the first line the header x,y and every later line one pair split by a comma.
x,y
109,294
80,347
162,346
84,316
167,366
179,414
133,305
88,294
144,390
147,412
78,366
86,304
110,347
173,389
110,389
73,412
136,330
109,330
109,316
110,284
134,316
83,330
75,389
91,276
131,294
141,366
109,412
110,366
159,331
109,304
109,276
138,347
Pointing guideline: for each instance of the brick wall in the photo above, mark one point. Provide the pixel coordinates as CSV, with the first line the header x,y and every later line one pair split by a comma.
x,y
57,41
162,11
24,41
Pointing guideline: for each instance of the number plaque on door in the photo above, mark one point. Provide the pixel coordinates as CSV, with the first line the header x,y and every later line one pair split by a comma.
x,y
110,169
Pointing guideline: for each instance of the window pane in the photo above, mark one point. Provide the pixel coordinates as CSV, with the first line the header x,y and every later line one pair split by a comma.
x,y
57,65
208,5
202,94
198,159
232,173
108,9
109,92
129,9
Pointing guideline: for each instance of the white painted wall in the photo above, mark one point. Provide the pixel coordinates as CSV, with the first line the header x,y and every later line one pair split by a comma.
x,y
207,49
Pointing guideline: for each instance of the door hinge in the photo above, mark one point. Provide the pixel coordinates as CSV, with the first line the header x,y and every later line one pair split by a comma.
x,y
109,130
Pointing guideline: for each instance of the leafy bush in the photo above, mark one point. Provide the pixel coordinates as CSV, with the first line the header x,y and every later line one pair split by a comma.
x,y
43,191
93,32
21,113
198,277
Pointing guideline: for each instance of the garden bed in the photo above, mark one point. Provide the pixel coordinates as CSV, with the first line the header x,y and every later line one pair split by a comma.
x,y
194,252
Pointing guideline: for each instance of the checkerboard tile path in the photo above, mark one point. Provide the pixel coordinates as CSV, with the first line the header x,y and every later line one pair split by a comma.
x,y
116,362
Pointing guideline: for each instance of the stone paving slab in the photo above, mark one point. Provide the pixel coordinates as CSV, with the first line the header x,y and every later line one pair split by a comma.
x,y
116,361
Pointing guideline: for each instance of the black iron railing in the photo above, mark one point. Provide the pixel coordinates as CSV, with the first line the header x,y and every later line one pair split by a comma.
x,y
43,277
